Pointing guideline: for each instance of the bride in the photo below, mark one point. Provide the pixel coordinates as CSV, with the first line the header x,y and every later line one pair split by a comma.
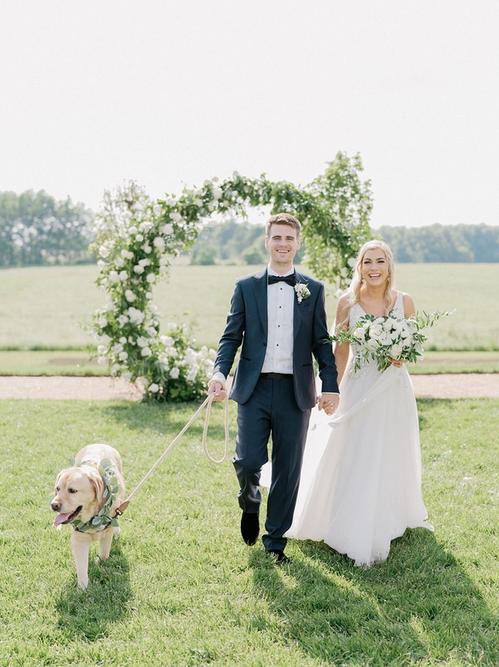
x,y
361,478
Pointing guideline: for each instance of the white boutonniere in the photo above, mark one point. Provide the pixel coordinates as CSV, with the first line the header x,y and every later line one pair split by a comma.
x,y
302,291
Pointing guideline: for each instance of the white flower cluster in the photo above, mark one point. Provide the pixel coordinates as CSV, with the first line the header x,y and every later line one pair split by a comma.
x,y
380,339
135,239
386,338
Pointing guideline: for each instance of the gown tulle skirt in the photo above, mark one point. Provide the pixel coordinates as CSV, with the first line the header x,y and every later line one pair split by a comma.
x,y
360,485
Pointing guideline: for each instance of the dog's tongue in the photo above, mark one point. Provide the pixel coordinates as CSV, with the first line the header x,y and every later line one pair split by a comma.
x,y
61,518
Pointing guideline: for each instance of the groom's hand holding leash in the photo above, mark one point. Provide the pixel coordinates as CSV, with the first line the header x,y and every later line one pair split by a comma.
x,y
217,390
328,402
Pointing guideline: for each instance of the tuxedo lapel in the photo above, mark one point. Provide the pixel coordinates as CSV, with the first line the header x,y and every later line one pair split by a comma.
x,y
297,316
260,289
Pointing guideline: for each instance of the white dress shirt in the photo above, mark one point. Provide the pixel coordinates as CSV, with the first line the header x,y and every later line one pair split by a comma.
x,y
280,305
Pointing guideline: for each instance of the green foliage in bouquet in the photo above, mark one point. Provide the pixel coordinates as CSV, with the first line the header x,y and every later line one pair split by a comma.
x,y
388,337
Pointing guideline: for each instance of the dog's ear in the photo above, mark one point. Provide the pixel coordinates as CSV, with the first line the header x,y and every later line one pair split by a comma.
x,y
58,478
97,484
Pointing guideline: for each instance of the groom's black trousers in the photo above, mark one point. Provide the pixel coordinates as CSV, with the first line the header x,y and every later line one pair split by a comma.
x,y
271,410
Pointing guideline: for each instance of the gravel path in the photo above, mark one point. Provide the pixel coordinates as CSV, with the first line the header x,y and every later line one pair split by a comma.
x,y
105,388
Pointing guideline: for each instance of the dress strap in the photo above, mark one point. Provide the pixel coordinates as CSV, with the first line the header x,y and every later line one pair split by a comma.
x,y
399,304
355,314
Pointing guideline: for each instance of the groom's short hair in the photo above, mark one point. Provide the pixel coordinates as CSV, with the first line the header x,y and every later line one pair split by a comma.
x,y
284,219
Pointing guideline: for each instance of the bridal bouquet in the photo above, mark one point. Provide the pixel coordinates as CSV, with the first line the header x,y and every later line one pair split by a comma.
x,y
388,337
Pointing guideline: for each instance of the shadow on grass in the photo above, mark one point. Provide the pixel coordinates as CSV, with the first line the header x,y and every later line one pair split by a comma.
x,y
88,614
420,604
166,419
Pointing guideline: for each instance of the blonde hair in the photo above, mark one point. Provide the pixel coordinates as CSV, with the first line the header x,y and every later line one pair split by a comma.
x,y
353,291
356,284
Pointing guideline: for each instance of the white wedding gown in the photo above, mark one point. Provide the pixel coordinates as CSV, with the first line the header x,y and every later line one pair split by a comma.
x,y
360,485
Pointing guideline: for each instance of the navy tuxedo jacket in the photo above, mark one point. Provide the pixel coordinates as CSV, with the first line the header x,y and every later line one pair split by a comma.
x,y
247,324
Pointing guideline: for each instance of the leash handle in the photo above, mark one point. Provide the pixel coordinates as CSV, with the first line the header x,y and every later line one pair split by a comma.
x,y
226,431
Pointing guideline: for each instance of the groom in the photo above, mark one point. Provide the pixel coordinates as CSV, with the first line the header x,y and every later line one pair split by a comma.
x,y
278,315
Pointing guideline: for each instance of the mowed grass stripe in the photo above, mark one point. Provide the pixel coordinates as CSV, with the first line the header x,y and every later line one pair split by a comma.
x,y
82,363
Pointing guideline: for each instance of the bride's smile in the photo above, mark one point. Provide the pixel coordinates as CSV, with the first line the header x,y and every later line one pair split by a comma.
x,y
374,269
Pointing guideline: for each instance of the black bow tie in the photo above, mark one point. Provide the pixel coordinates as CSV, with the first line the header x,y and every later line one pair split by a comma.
x,y
289,280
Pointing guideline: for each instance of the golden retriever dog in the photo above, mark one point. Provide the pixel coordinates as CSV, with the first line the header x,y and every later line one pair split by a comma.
x,y
86,496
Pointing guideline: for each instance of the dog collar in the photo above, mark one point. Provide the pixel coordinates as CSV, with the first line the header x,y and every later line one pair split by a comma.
x,y
102,519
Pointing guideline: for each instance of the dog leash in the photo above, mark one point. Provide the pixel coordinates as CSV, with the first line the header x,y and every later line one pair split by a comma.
x,y
205,404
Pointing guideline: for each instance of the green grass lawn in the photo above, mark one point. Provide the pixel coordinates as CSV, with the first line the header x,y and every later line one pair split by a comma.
x,y
50,306
45,362
80,363
182,589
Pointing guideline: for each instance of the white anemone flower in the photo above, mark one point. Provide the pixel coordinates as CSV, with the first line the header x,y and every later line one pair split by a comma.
x,y
166,340
130,296
136,316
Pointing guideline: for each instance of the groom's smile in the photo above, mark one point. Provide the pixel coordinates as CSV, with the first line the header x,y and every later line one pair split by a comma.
x,y
283,244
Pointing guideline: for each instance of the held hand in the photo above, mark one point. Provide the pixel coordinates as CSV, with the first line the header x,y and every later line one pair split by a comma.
x,y
216,390
328,402
398,363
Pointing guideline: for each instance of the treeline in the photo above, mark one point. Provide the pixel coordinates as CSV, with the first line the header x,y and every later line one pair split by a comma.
x,y
233,242
36,229
442,243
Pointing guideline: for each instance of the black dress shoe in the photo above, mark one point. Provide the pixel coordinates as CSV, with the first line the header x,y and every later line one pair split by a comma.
x,y
250,527
278,556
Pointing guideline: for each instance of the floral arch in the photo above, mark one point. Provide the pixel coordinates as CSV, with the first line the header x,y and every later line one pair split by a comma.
x,y
137,238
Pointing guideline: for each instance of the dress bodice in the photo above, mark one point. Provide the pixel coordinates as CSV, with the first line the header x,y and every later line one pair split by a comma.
x,y
369,368
356,311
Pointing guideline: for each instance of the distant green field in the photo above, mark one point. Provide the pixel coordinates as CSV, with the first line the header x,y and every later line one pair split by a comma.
x,y
50,306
